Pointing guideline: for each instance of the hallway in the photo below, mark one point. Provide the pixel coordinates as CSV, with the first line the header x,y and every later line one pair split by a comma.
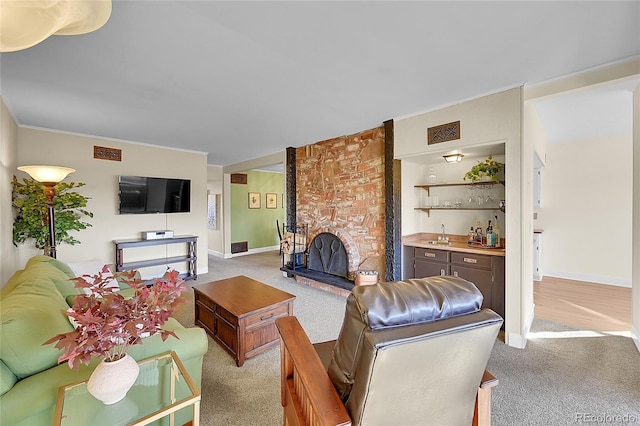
x,y
598,307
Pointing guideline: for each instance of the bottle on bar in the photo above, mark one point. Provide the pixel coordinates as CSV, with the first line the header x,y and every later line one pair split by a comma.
x,y
491,236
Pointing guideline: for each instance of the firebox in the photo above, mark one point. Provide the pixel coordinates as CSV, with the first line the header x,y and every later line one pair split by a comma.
x,y
327,254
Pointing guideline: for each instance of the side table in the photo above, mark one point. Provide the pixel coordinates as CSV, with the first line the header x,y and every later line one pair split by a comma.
x,y
163,387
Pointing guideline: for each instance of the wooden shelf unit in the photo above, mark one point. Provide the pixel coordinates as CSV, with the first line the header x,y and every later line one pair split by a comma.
x,y
427,187
442,185
191,257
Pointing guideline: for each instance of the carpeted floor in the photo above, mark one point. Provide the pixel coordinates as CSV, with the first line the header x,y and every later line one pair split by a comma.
x,y
559,379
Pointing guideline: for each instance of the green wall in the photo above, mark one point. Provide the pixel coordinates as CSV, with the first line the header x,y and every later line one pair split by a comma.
x,y
257,226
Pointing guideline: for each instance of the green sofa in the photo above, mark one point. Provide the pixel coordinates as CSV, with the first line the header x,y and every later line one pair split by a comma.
x,y
32,309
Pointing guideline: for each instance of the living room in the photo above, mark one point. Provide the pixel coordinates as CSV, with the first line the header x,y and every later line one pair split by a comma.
x,y
491,117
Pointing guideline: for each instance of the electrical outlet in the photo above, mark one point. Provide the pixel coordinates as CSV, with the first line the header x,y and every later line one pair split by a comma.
x,y
535,216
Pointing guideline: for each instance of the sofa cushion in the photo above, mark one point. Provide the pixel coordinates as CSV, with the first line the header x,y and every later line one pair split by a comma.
x,y
394,304
57,271
31,314
7,378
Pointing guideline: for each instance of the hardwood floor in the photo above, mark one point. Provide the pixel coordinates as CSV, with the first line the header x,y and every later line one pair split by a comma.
x,y
598,307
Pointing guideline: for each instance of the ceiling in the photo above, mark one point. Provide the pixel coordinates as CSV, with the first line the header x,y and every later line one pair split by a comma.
x,y
241,80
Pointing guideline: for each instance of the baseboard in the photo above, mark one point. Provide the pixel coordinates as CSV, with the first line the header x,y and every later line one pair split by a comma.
x,y
635,336
516,341
598,279
520,340
215,253
255,251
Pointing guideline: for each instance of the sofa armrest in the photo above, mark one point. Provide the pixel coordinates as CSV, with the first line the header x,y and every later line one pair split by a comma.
x,y
305,382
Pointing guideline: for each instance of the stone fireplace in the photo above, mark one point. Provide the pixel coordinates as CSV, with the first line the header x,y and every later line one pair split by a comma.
x,y
340,189
346,187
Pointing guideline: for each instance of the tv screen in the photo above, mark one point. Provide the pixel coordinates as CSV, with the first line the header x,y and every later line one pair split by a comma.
x,y
139,195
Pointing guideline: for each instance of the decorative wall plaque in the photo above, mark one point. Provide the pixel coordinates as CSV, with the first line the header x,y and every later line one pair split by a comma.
x,y
443,133
104,153
239,178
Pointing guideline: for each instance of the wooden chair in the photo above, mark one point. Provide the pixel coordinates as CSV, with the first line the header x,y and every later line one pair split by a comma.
x,y
409,352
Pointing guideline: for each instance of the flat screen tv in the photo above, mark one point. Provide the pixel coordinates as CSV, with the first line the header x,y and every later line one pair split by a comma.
x,y
140,195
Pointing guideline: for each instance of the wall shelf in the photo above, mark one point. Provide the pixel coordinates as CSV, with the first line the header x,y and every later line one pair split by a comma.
x,y
467,184
435,185
429,209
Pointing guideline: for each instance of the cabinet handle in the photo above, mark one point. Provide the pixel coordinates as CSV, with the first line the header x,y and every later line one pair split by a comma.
x,y
470,260
265,317
429,255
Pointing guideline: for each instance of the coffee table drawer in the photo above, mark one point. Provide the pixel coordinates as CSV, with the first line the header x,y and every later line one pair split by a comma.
x,y
266,316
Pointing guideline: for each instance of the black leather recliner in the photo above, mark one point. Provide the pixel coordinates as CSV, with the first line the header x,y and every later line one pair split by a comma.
x,y
409,352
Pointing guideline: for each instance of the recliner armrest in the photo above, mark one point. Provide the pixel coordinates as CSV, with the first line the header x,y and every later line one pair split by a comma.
x,y
304,380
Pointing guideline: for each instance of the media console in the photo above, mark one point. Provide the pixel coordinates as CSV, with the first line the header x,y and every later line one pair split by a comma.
x,y
190,257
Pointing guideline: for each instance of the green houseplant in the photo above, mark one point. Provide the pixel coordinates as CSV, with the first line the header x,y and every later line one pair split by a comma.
x,y
29,200
107,323
489,169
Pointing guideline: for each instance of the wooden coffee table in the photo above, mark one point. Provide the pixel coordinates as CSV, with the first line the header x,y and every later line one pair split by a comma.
x,y
240,314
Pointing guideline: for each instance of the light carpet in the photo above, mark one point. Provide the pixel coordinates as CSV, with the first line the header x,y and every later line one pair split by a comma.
x,y
556,380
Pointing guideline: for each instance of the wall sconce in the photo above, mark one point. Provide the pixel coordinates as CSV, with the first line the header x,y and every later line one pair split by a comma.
x,y
453,158
24,24
49,176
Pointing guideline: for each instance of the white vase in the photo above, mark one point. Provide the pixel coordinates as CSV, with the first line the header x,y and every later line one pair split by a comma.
x,y
111,381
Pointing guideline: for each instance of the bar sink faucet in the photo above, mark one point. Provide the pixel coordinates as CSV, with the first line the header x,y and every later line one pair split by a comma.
x,y
443,237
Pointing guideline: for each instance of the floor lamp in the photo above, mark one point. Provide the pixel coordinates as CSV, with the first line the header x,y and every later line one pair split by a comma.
x,y
49,176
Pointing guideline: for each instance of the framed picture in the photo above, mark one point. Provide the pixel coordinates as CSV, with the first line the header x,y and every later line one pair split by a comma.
x,y
212,212
254,200
272,200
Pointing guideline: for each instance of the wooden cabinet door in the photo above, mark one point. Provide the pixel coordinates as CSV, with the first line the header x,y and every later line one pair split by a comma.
x,y
482,278
426,268
408,267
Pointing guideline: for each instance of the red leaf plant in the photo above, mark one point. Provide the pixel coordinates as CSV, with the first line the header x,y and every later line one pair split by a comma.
x,y
107,323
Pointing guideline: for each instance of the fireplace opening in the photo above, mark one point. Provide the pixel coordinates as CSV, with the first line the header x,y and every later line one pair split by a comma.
x,y
327,263
327,254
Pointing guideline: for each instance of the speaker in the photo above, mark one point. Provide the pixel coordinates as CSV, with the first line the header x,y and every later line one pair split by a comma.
x,y
156,235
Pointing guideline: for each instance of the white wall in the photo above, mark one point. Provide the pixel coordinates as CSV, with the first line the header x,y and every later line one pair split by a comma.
x,y
490,120
9,261
215,186
586,215
534,132
635,290
101,178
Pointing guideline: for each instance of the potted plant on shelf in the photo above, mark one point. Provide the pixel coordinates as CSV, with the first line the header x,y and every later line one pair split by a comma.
x,y
487,170
106,324
29,200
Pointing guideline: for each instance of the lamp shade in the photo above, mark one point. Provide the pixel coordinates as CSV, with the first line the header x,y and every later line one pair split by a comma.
x,y
47,174
24,24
